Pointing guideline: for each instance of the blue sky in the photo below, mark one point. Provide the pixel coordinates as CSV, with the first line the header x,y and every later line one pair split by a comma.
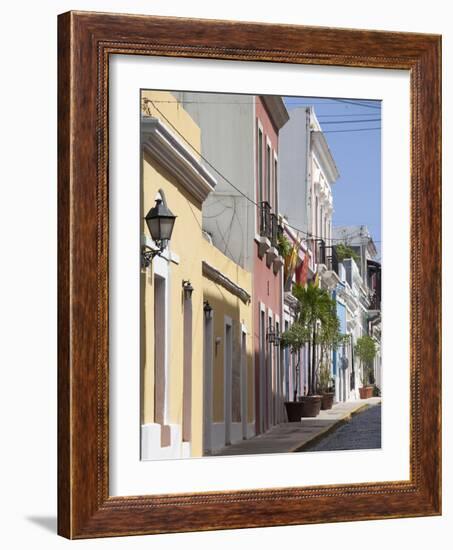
x,y
357,153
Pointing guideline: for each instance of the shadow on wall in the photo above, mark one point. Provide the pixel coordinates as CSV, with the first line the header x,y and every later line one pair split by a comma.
x,y
48,523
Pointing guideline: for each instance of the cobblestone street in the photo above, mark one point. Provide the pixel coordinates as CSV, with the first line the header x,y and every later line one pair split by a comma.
x,y
292,436
363,431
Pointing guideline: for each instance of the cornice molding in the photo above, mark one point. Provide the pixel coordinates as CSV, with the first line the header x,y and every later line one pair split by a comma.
x,y
324,156
276,108
216,276
169,150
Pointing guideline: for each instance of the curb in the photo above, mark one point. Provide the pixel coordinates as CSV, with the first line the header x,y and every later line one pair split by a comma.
x,y
326,431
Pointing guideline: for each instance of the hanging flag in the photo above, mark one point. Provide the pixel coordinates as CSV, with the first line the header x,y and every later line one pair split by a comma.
x,y
302,272
316,280
291,262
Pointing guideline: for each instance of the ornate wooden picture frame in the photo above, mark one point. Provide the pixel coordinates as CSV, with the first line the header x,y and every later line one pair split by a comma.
x,y
85,508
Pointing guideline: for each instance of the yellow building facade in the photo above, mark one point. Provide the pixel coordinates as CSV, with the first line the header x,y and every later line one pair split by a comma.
x,y
228,365
192,401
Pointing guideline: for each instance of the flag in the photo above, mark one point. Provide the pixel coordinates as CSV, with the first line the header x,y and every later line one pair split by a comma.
x,y
316,280
302,272
290,263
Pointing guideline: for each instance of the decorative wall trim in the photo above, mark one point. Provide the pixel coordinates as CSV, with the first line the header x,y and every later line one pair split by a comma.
x,y
324,155
217,277
169,150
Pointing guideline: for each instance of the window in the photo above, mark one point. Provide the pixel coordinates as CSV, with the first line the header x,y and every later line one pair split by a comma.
x,y
228,365
260,166
160,310
269,379
321,224
262,367
316,219
187,371
275,187
268,174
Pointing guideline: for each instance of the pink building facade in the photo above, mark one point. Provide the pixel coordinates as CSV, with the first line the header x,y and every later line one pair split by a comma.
x,y
267,269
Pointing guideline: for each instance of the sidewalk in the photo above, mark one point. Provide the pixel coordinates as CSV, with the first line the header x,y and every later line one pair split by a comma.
x,y
291,436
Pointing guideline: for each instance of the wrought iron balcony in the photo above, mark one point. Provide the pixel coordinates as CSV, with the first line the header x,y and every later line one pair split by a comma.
x,y
326,255
274,230
332,259
265,220
375,300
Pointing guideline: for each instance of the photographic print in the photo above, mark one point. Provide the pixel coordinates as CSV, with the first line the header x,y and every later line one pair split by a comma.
x,y
219,275
260,309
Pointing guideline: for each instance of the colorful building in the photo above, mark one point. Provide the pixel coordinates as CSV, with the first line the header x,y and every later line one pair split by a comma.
x,y
270,117
217,295
362,297
239,137
307,172
172,378
195,316
299,268
228,366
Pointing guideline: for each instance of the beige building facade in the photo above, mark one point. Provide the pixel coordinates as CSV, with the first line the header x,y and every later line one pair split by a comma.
x,y
195,314
228,364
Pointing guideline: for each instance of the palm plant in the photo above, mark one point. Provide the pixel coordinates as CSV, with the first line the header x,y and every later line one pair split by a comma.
x,y
295,338
316,320
365,350
329,338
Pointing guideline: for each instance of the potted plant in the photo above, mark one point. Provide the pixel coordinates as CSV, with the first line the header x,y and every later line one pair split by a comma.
x,y
283,245
344,251
316,310
326,386
294,339
365,350
329,338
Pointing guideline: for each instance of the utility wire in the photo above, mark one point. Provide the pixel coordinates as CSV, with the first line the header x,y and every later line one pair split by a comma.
x,y
350,121
302,103
309,236
359,103
343,115
351,130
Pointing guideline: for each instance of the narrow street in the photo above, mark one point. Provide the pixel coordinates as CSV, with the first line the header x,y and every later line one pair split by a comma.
x,y
363,431
292,437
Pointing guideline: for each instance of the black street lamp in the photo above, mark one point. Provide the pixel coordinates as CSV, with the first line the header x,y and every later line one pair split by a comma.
x,y
160,221
207,308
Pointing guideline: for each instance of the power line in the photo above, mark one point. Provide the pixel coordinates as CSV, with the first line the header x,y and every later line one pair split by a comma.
x,y
351,121
302,103
352,130
342,115
309,236
359,103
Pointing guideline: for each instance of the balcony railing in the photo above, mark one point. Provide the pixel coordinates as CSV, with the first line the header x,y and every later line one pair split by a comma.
x,y
265,220
332,259
326,255
274,230
375,300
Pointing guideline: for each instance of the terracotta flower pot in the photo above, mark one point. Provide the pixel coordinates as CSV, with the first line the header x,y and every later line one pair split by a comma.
x,y
312,405
294,410
327,401
366,392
